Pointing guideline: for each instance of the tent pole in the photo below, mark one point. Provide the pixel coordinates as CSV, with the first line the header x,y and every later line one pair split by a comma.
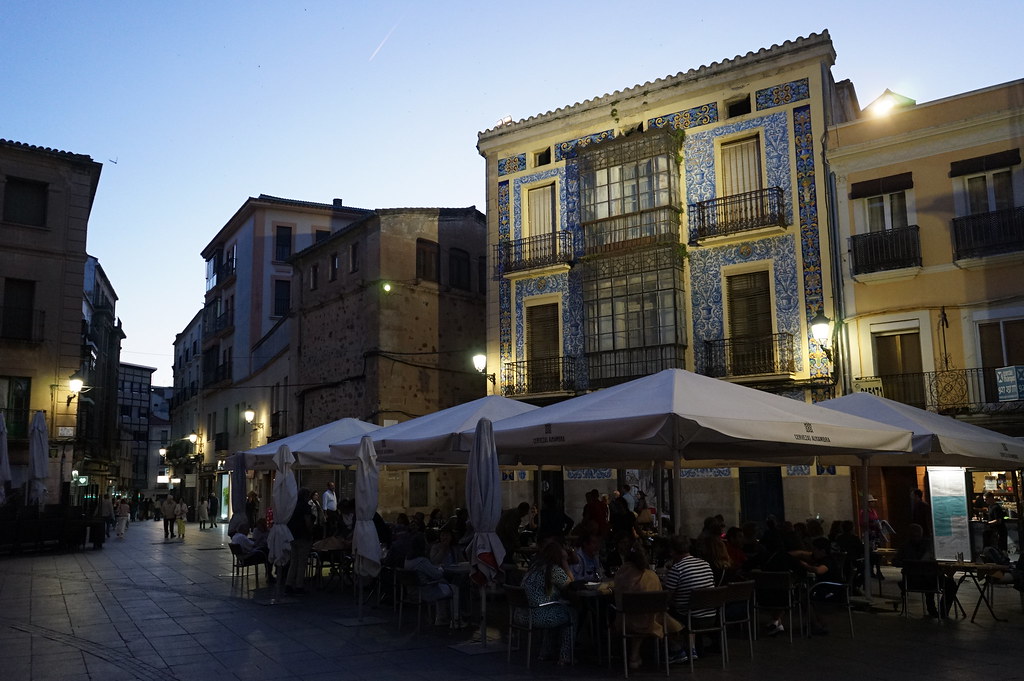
x,y
677,496
865,523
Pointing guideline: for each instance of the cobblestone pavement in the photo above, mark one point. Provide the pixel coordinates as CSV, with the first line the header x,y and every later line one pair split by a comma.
x,y
146,608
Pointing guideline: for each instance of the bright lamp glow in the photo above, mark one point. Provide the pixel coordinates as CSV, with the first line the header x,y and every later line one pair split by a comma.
x,y
820,326
192,437
249,415
480,362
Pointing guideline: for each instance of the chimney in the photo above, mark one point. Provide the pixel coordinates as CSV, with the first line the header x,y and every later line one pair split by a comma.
x,y
337,203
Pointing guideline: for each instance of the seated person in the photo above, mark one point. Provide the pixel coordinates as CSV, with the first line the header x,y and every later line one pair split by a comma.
x,y
636,575
828,581
587,566
443,552
543,584
433,587
916,547
991,553
686,573
251,551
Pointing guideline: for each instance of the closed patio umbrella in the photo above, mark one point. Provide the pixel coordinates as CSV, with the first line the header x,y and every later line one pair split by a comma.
x,y
284,496
38,459
483,500
5,462
365,542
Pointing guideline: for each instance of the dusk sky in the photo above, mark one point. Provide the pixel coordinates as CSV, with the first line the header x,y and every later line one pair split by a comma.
x,y
192,107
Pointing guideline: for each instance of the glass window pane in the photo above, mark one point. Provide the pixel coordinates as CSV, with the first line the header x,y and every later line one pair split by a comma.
x,y
898,209
977,195
876,213
1002,190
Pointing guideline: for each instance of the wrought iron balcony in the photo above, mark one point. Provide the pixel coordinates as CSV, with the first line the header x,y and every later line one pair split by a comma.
x,y
214,375
1001,231
533,377
892,249
612,367
634,230
749,356
213,325
21,323
738,213
533,251
955,391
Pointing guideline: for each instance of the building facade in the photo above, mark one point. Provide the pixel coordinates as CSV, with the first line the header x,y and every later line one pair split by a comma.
x,y
134,385
46,197
680,223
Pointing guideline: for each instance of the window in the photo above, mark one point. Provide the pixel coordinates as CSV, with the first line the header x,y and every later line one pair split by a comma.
x,y
628,188
888,211
751,343
126,411
543,348
15,392
353,257
989,192
632,310
1002,342
282,242
458,269
335,264
282,297
322,235
427,260
419,488
18,309
898,363
741,166
481,271
314,277
542,158
25,202
212,268
738,107
541,203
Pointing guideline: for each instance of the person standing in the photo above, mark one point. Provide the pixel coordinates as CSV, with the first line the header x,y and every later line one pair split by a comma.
x,y
301,526
921,512
181,515
252,505
214,509
329,501
123,515
203,512
105,510
167,512
997,519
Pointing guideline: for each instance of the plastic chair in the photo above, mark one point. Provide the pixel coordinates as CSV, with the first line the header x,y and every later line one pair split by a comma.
x,y
921,577
240,563
408,584
775,591
837,594
712,599
641,603
740,594
517,601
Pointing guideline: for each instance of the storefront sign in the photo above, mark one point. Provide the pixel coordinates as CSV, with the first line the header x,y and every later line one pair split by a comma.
x,y
950,525
1010,382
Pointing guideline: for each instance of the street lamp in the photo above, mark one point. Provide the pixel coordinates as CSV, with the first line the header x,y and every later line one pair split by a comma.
x,y
250,415
76,383
480,363
821,331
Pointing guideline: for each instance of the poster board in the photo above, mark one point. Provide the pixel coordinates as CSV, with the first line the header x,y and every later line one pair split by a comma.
x,y
951,528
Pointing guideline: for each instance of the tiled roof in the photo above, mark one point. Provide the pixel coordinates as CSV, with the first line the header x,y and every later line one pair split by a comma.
x,y
47,150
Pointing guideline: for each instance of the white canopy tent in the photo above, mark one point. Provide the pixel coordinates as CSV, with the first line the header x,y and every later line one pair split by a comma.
x,y
433,439
311,448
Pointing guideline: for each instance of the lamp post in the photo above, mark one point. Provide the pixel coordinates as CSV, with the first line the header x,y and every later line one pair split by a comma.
x,y
480,364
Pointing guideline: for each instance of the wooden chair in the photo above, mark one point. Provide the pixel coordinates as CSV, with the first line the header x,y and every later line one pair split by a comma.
x,y
776,591
240,563
740,595
633,603
698,622
519,604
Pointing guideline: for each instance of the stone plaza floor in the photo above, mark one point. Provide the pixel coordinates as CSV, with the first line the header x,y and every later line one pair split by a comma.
x,y
146,608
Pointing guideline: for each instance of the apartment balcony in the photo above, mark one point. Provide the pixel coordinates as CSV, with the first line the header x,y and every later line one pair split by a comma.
x,y
216,325
642,229
987,234
21,323
532,252
539,376
892,249
738,213
612,367
215,375
955,391
760,356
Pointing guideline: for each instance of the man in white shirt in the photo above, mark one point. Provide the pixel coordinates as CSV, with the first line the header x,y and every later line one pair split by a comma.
x,y
329,502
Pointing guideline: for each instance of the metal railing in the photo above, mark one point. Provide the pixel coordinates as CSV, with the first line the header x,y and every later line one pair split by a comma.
x,y
954,391
21,323
611,367
891,249
214,325
533,251
1001,231
533,377
738,213
219,373
749,356
634,230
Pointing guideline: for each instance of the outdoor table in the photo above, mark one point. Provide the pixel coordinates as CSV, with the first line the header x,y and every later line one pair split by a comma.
x,y
973,571
591,602
457,575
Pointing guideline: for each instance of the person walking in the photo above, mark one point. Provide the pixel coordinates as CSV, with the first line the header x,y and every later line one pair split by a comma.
x,y
329,501
167,512
105,510
124,511
181,515
213,509
202,513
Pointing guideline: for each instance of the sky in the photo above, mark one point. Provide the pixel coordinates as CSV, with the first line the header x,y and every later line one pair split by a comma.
x,y
192,107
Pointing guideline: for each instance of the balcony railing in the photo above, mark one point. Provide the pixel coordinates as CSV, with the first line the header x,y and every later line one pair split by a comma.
x,y
612,367
533,377
17,421
21,323
892,249
738,213
750,356
956,391
214,325
634,230
533,251
219,373
1001,231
